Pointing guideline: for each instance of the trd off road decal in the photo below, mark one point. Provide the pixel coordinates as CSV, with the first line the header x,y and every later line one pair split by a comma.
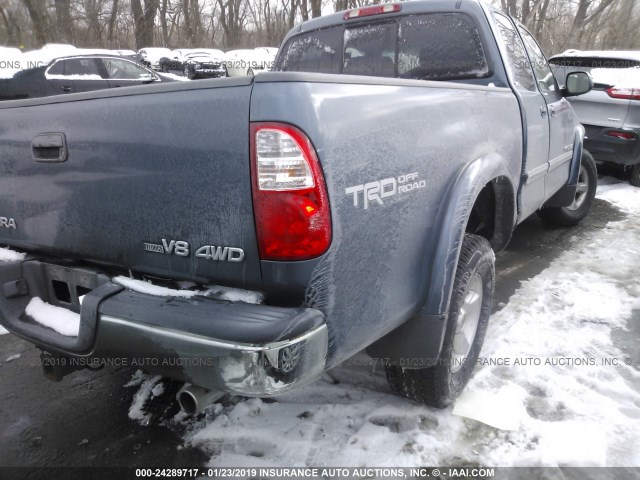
x,y
376,191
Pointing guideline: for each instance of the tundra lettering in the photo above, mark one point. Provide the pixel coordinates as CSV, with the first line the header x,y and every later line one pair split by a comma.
x,y
7,222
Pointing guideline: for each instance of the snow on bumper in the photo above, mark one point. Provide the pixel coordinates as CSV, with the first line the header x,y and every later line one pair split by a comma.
x,y
236,347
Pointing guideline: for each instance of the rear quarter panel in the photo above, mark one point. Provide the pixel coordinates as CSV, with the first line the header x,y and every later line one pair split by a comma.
x,y
375,274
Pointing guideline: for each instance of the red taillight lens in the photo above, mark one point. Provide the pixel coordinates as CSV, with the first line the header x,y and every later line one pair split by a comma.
x,y
290,201
624,93
623,135
374,10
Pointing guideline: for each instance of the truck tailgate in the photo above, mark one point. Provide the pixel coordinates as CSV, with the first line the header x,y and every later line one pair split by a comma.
x,y
156,180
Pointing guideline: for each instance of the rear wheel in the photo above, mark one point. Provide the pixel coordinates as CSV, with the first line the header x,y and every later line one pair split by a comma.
x,y
439,385
634,179
585,193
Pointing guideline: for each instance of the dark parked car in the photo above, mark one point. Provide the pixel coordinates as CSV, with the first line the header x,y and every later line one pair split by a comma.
x,y
77,74
610,113
195,63
204,64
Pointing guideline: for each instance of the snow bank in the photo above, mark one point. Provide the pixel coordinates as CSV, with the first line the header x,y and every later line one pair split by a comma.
x,y
570,410
88,76
10,61
3,331
63,321
175,77
149,385
619,77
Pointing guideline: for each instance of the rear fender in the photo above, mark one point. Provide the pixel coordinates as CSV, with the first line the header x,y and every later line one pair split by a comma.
x,y
417,343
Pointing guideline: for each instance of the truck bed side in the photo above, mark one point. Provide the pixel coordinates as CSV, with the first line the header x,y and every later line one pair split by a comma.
x,y
423,135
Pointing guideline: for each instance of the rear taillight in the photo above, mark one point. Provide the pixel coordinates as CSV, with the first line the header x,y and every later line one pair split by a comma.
x,y
290,201
623,135
624,93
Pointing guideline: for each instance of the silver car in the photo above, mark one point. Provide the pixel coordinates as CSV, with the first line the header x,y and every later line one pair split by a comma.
x,y
610,112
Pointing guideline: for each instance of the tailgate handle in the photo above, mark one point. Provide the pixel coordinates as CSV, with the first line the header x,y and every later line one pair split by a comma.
x,y
49,147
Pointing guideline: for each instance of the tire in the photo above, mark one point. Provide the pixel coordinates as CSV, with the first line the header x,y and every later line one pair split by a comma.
x,y
186,71
586,192
634,179
439,385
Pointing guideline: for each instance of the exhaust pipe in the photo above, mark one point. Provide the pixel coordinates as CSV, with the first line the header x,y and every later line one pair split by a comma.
x,y
192,398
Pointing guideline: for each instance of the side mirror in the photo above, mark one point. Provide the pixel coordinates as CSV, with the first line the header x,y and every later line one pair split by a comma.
x,y
578,83
148,78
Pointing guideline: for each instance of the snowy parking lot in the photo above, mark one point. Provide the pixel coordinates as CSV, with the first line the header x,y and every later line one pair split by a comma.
x,y
557,383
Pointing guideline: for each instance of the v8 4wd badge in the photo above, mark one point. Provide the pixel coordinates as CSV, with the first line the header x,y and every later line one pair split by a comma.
x,y
208,252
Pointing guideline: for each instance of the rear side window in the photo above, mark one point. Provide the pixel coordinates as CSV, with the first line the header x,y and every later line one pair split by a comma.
x,y
74,67
319,51
441,46
434,46
371,50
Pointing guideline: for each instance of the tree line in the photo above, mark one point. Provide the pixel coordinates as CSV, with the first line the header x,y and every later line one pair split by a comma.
x,y
134,24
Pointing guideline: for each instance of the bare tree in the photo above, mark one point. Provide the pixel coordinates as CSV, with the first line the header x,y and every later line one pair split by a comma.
x,y
557,24
11,25
232,19
38,14
63,21
144,21
112,21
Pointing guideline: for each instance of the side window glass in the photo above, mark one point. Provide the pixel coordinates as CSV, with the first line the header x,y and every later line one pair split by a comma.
x,y
546,80
84,67
517,60
440,46
371,50
123,70
57,69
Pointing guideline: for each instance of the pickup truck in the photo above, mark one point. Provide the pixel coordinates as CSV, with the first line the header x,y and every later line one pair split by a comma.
x,y
243,235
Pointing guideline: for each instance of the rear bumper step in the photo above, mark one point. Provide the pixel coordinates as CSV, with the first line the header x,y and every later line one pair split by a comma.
x,y
239,348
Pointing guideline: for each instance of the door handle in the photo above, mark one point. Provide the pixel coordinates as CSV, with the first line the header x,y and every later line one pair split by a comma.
x,y
66,88
543,112
49,147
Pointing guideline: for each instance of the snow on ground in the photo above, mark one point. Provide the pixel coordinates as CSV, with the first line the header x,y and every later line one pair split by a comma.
x,y
569,409
3,331
148,387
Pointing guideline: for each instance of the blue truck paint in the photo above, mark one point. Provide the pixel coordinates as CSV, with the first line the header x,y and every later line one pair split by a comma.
x,y
407,163
398,122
